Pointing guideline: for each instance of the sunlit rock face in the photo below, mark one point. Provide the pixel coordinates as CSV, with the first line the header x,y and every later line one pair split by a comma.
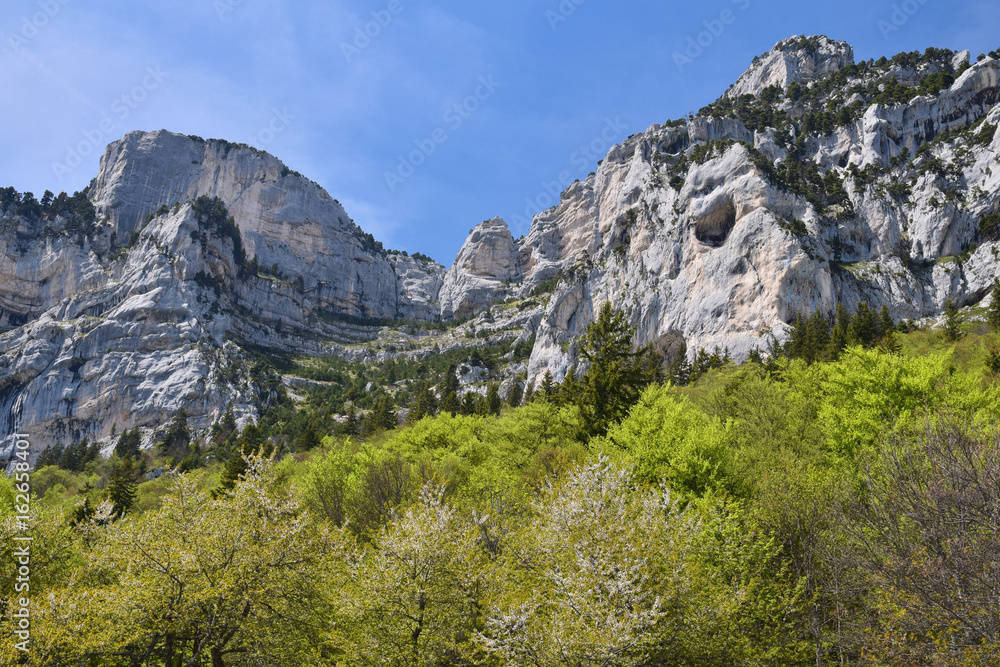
x,y
688,227
812,181
123,328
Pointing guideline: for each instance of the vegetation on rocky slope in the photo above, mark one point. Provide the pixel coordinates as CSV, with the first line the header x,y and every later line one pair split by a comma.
x,y
810,508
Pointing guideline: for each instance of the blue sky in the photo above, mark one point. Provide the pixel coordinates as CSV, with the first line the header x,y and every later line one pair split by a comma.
x,y
476,109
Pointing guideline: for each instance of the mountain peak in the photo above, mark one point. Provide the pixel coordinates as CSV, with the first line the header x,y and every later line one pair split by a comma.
x,y
795,59
145,170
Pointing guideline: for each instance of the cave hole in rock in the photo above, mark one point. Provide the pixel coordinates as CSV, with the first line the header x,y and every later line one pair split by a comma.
x,y
714,228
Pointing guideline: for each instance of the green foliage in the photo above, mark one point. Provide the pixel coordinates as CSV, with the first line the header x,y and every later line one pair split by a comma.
x,y
816,338
670,439
869,391
544,287
604,575
368,242
197,581
830,508
74,457
416,593
993,360
348,380
989,226
76,211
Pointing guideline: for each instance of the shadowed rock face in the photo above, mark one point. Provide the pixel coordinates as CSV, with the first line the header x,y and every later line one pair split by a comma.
x,y
702,247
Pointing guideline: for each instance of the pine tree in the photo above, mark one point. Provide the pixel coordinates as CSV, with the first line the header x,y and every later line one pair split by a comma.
x,y
702,364
547,387
350,425
178,435
838,342
952,322
819,337
680,371
450,404
128,444
76,456
50,456
425,405
122,487
250,442
82,513
382,416
309,438
225,427
470,403
617,374
491,404
795,348
515,396
569,389
885,322
449,382
993,314
864,325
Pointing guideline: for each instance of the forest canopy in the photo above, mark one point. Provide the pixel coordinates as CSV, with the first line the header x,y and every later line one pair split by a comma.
x,y
838,509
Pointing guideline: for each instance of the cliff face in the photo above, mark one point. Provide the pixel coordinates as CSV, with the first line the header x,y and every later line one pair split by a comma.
x,y
719,230
486,264
814,180
124,325
284,218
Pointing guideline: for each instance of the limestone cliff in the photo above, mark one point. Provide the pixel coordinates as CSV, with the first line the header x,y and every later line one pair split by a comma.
x,y
813,180
146,310
719,229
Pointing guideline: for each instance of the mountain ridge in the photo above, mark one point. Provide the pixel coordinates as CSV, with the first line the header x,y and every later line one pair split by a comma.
x,y
812,181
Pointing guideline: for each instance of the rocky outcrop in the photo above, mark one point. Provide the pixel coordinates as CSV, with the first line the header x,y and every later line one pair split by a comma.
x,y
121,326
796,59
420,283
690,228
285,219
134,349
486,263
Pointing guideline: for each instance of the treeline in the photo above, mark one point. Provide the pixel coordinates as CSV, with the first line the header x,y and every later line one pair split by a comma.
x,y
76,208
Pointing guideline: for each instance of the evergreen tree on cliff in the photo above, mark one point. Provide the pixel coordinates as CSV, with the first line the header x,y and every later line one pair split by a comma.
x,y
617,373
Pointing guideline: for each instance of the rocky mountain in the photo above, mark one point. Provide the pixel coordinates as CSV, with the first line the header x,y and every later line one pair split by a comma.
x,y
814,180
